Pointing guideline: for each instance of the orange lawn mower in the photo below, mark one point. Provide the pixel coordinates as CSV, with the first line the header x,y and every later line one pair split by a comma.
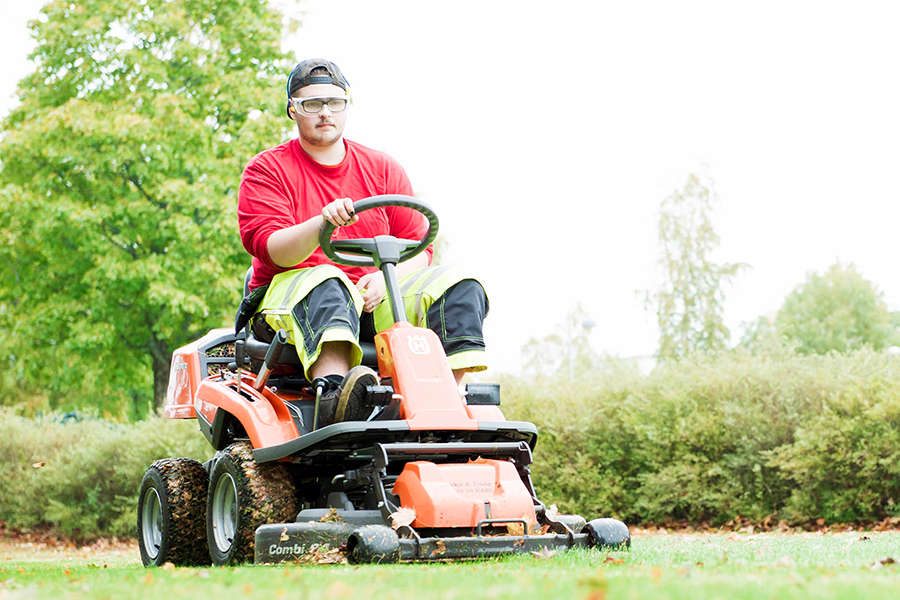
x,y
432,473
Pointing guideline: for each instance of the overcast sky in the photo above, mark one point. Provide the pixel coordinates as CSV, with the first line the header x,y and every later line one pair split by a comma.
x,y
546,135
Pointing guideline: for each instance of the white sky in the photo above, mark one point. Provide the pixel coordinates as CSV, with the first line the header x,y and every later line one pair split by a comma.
x,y
546,134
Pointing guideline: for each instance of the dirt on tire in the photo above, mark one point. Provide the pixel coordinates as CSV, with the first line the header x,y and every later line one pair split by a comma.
x,y
266,493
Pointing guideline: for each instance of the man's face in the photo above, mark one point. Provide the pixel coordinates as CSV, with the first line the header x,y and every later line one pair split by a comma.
x,y
324,128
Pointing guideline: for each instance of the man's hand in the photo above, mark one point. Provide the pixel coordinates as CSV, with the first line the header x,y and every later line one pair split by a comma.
x,y
372,288
340,212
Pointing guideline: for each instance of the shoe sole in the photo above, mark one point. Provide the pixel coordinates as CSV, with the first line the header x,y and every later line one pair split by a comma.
x,y
354,394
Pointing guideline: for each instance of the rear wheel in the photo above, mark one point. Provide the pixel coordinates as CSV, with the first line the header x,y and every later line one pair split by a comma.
x,y
171,509
242,496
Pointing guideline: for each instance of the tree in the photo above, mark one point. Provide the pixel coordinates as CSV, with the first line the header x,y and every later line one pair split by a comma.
x,y
690,302
565,353
838,311
118,177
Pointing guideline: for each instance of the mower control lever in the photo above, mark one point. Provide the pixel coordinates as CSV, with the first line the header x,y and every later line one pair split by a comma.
x,y
271,359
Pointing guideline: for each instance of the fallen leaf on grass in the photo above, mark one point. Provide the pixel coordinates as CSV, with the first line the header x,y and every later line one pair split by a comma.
x,y
38,465
864,538
167,566
785,561
878,564
403,516
339,589
248,589
613,561
543,553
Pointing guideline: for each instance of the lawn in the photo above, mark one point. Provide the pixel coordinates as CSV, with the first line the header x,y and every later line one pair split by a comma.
x,y
660,566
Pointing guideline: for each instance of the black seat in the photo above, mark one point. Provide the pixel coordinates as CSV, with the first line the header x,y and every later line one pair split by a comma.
x,y
256,348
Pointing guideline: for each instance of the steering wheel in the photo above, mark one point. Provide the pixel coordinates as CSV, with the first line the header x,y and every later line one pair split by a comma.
x,y
383,248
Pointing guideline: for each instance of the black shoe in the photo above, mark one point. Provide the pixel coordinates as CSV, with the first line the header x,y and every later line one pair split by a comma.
x,y
347,401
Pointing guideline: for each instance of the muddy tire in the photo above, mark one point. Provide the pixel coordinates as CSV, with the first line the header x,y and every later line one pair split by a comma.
x,y
171,521
242,496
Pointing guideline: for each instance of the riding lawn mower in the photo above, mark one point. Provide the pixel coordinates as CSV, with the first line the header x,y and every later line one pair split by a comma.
x,y
433,473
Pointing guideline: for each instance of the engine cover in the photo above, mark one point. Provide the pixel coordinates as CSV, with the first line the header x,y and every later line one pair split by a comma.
x,y
462,495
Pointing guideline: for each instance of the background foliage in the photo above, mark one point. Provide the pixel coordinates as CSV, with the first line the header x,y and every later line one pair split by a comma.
x,y
81,475
705,439
836,311
708,438
690,302
118,180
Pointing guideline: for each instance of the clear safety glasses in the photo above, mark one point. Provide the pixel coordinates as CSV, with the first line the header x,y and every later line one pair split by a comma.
x,y
314,105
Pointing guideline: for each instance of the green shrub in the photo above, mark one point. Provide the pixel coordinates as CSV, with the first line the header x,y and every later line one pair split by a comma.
x,y
82,476
711,438
702,439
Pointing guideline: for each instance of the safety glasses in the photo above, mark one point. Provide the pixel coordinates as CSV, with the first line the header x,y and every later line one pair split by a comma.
x,y
314,105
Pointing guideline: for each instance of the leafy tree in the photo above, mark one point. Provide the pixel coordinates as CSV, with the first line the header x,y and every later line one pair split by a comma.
x,y
118,179
690,302
566,353
838,311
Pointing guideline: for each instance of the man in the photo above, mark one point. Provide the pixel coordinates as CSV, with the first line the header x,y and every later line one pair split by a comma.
x,y
286,195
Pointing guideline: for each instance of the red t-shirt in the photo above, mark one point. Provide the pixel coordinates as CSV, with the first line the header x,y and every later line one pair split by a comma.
x,y
284,186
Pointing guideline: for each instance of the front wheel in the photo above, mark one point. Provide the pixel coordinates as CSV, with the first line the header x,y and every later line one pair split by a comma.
x,y
242,496
170,518
610,534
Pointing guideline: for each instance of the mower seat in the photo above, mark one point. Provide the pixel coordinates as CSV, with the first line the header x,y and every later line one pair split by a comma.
x,y
256,348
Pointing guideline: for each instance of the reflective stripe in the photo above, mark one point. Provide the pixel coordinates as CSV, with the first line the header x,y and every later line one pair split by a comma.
x,y
431,278
285,303
408,285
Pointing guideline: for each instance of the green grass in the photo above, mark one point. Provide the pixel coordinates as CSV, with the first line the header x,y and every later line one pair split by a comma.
x,y
725,566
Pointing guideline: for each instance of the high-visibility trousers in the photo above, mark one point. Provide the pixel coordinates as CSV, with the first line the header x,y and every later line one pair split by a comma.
x,y
320,304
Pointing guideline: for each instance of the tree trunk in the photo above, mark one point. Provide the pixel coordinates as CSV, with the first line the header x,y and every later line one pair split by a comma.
x,y
162,360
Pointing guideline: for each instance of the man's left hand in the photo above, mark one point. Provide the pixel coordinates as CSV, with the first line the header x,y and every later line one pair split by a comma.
x,y
372,288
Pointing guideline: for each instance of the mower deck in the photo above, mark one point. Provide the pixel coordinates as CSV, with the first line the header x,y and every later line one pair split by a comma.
x,y
291,541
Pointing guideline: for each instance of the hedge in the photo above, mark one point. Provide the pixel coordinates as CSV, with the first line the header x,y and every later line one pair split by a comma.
x,y
712,438
81,476
706,439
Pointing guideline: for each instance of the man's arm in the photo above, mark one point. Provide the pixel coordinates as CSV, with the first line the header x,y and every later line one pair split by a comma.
x,y
292,245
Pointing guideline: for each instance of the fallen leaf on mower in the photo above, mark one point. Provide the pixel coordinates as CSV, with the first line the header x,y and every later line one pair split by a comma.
x,y
331,517
543,553
551,512
515,529
284,535
403,516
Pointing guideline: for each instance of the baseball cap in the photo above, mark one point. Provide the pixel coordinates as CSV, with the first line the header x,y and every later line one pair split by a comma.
x,y
301,76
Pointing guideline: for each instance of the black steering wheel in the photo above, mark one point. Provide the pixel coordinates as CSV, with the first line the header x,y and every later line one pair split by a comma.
x,y
368,252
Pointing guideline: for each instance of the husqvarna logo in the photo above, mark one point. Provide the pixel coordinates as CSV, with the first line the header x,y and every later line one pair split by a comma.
x,y
418,344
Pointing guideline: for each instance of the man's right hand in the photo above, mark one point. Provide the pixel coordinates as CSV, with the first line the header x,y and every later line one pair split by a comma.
x,y
340,213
